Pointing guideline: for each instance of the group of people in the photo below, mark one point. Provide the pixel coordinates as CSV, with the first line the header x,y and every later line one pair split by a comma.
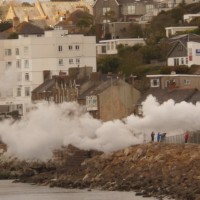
x,y
160,137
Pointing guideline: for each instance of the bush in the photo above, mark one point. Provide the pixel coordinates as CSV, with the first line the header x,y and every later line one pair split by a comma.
x,y
178,69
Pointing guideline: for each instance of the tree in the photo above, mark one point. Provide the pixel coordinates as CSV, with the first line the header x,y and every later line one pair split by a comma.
x,y
107,64
5,26
13,35
26,4
135,30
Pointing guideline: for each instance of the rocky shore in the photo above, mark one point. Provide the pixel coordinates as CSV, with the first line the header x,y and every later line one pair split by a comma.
x,y
159,170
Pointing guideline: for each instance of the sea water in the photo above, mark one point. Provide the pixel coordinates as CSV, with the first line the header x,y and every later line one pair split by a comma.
x,y
22,191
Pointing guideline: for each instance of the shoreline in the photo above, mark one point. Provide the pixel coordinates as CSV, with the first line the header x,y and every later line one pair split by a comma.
x,y
151,170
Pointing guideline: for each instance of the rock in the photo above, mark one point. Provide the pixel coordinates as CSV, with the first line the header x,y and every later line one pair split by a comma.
x,y
152,169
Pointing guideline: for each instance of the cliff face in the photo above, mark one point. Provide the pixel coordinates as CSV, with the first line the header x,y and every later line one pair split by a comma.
x,y
150,169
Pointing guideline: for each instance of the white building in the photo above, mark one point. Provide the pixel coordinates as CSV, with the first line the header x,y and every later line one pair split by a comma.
x,y
178,29
189,17
110,46
193,53
34,58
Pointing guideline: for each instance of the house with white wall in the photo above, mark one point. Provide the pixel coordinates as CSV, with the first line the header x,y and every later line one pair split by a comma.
x,y
170,31
189,17
193,53
185,50
32,58
110,46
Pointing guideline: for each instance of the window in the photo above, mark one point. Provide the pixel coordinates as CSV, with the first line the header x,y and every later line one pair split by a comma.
x,y
70,47
59,48
8,64
25,50
149,8
60,62
106,21
18,64
27,91
19,76
140,111
8,52
182,61
103,49
176,61
27,78
71,61
155,82
186,82
26,63
17,51
105,10
186,60
170,83
18,91
77,60
77,47
131,9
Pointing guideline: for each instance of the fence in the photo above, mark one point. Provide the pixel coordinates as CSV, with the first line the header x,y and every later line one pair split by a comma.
x,y
194,137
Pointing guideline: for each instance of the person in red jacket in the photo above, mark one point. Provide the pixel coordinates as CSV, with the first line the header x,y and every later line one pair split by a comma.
x,y
186,136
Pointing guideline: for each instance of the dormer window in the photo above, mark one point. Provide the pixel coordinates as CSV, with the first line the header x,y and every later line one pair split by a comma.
x,y
155,83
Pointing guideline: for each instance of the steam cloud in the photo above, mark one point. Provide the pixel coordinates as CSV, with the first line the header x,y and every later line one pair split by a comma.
x,y
50,126
9,76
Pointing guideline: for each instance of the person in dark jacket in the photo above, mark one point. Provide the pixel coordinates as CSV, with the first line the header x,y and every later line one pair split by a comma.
x,y
152,136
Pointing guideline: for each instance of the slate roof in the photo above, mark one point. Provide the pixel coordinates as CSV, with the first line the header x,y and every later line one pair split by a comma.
x,y
98,88
41,23
50,83
95,89
195,98
178,95
44,86
26,28
183,39
132,1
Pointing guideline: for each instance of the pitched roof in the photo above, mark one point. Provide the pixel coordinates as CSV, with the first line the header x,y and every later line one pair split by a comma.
x,y
95,89
178,95
23,12
44,86
174,45
185,38
182,39
41,23
116,1
28,28
195,98
99,87
132,1
52,9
